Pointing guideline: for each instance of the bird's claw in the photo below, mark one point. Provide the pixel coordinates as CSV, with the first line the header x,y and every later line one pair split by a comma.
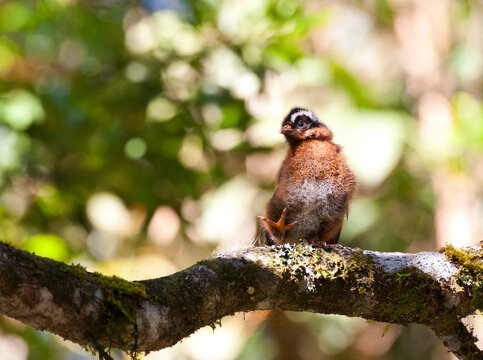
x,y
280,224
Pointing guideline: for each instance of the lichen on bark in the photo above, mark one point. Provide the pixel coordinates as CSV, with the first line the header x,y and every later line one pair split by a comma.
x,y
101,312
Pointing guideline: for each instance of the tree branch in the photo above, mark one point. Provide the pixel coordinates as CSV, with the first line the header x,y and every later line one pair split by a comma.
x,y
98,311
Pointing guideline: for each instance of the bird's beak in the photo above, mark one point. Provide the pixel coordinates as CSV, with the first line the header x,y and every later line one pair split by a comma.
x,y
286,129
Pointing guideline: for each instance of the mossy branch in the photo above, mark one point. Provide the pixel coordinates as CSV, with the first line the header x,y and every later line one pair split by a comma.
x,y
434,289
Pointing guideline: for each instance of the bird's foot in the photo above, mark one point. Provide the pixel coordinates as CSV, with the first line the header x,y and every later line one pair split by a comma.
x,y
280,224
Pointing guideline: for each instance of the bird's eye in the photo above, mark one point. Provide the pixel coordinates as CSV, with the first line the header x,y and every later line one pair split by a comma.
x,y
300,124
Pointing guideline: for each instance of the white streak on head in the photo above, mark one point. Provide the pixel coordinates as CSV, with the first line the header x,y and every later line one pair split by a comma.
x,y
307,113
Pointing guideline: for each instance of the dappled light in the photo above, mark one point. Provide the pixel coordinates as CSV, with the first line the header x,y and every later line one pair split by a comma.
x,y
139,138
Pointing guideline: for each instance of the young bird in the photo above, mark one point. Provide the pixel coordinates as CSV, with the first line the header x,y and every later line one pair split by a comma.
x,y
314,188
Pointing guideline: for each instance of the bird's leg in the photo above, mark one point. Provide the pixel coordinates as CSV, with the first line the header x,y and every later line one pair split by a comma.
x,y
280,224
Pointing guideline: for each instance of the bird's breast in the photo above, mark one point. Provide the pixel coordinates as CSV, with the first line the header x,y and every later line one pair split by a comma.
x,y
315,185
314,194
314,205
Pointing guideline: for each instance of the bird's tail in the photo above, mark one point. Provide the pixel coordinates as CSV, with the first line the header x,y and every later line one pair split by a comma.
x,y
262,237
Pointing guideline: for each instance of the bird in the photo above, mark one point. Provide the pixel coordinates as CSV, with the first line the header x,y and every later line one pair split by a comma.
x,y
314,188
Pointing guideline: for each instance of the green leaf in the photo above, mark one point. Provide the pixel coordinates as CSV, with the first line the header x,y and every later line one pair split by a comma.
x,y
401,277
13,16
386,329
20,109
47,245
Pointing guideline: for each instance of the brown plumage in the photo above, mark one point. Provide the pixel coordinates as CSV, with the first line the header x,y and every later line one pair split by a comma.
x,y
315,185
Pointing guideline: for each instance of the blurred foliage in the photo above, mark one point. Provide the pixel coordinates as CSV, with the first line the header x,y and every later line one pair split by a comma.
x,y
137,138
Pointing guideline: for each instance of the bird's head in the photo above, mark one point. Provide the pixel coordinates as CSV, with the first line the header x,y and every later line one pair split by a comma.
x,y
301,124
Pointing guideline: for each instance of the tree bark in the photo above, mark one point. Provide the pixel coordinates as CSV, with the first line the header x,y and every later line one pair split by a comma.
x,y
430,288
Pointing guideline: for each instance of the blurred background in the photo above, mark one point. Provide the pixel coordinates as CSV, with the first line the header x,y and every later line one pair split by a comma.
x,y
138,138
